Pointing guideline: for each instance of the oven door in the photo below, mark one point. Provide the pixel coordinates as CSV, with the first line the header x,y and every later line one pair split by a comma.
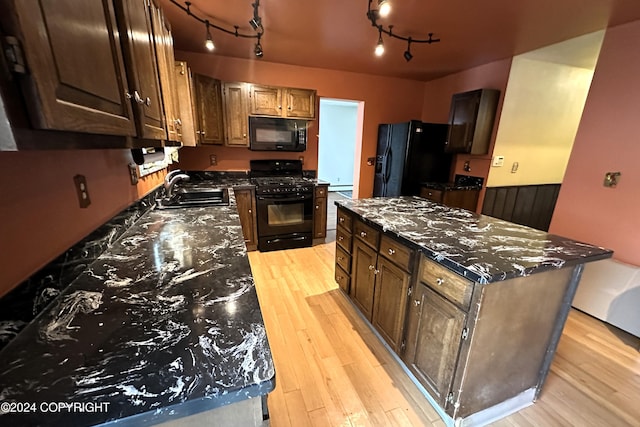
x,y
284,221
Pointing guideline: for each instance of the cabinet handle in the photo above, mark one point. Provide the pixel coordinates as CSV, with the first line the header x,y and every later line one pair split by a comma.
x,y
148,102
177,122
371,267
416,302
391,251
363,234
127,94
340,220
340,238
137,98
439,281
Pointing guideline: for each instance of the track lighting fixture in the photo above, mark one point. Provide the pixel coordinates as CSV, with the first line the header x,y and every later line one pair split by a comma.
x,y
209,41
255,22
383,9
407,53
379,51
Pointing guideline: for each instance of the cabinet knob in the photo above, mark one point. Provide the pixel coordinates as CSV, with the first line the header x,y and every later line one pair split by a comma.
x,y
279,107
391,251
363,234
439,281
416,302
340,258
244,135
430,193
177,122
250,211
289,108
127,94
147,102
341,220
317,207
340,238
371,267
339,277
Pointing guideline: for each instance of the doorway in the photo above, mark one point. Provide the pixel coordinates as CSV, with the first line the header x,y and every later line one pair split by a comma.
x,y
340,137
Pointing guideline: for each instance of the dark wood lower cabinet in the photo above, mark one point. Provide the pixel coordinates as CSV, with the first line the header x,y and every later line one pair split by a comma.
x,y
434,337
320,212
465,199
363,279
246,205
390,301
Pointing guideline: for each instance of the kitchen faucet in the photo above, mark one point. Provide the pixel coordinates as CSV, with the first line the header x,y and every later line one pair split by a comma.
x,y
170,175
175,178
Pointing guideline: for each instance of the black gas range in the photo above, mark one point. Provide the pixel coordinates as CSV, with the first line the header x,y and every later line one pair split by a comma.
x,y
284,207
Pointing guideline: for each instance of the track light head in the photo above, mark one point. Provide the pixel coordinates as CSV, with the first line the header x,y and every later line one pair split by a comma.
x,y
384,8
258,49
407,53
379,51
209,41
255,23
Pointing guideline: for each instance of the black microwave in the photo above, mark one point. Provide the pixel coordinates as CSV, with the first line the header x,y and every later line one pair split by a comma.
x,y
276,134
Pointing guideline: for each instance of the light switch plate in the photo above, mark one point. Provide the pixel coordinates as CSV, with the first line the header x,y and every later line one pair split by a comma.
x,y
498,161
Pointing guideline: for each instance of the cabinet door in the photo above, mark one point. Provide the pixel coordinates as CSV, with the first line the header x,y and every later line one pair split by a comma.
x,y
245,202
76,78
185,104
390,302
142,71
300,103
320,218
164,53
434,335
265,100
209,110
363,270
431,194
462,118
465,199
236,110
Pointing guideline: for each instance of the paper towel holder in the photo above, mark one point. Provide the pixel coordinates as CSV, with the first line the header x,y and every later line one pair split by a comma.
x,y
147,155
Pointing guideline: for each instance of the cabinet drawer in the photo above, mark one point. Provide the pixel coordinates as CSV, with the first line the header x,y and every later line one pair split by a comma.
x,y
343,259
447,283
365,233
342,279
344,220
431,194
343,238
396,252
321,191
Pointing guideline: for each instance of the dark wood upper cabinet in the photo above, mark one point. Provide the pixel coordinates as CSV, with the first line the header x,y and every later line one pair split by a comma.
x,y
471,120
142,72
236,114
75,78
209,118
166,60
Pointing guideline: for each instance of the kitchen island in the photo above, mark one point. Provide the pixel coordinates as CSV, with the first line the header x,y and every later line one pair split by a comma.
x,y
164,324
473,306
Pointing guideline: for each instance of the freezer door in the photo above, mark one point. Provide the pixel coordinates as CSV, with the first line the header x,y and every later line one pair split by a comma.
x,y
395,159
381,166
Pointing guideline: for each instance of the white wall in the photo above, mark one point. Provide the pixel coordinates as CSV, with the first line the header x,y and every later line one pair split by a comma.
x,y
336,147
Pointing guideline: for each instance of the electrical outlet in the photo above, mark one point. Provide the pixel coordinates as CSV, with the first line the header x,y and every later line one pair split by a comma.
x,y
133,173
213,159
82,190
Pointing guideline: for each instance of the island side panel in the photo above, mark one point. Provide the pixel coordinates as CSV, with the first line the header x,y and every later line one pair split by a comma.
x,y
514,328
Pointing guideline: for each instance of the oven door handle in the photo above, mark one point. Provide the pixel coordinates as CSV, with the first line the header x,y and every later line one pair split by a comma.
x,y
284,198
278,240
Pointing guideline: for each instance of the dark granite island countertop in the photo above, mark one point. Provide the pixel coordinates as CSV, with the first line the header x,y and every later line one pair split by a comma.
x,y
163,324
479,247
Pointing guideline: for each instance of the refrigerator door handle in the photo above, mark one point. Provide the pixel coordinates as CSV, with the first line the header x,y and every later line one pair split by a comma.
x,y
387,173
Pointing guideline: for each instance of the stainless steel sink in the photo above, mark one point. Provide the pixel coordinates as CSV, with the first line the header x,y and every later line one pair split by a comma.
x,y
195,197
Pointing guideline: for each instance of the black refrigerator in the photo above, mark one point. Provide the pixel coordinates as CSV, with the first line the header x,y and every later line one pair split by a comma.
x,y
408,154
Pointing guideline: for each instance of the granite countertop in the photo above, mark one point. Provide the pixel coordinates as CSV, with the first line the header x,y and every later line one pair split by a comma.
x,y
479,247
166,322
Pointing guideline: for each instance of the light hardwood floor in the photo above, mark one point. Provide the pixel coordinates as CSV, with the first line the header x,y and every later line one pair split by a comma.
x,y
331,370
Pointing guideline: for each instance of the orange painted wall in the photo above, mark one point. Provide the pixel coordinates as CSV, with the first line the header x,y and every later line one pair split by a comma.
x,y
39,214
607,141
385,100
437,100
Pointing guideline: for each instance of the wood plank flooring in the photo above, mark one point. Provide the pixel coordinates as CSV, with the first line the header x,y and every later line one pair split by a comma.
x,y
331,370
